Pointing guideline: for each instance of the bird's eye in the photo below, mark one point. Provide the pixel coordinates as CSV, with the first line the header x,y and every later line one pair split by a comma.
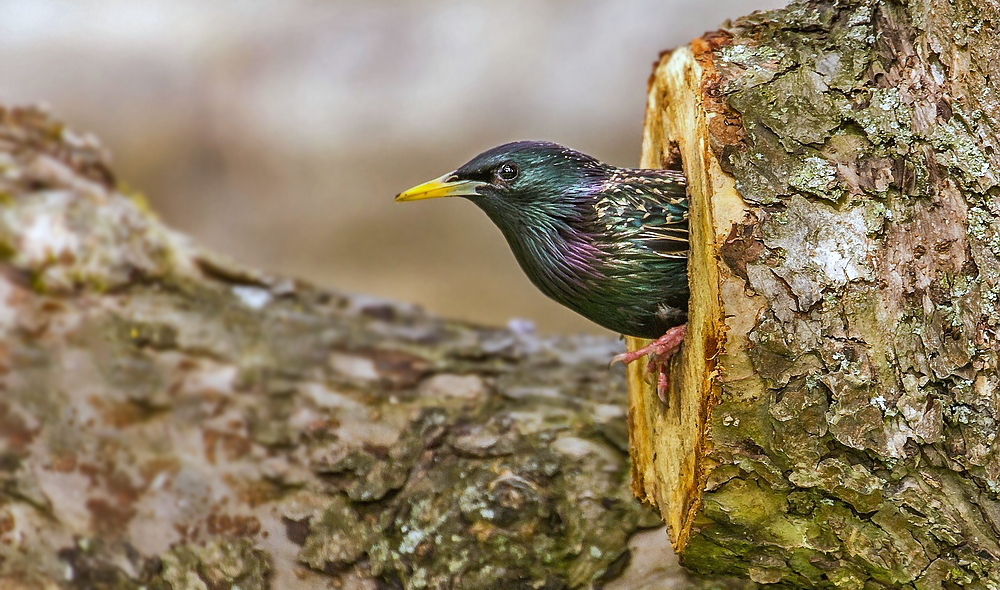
x,y
507,171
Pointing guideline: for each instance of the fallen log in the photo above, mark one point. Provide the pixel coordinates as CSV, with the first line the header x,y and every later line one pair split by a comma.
x,y
170,419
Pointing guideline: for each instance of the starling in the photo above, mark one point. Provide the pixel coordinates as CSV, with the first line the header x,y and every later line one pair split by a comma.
x,y
609,243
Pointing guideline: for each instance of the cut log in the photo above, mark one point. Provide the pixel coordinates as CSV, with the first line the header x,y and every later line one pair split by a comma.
x,y
833,416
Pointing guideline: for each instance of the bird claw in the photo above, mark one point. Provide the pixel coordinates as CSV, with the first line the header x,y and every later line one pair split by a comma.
x,y
661,386
660,351
626,358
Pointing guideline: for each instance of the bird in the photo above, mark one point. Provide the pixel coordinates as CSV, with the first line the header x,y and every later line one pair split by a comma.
x,y
607,242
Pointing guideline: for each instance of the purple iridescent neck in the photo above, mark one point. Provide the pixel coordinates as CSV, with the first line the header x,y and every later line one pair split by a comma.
x,y
559,259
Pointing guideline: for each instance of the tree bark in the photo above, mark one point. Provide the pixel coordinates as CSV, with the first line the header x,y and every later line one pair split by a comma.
x,y
169,419
833,415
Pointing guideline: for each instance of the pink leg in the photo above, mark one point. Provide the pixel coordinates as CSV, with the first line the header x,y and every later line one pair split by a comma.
x,y
659,351
662,348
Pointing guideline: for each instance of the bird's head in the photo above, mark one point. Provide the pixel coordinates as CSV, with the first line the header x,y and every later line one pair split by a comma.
x,y
521,182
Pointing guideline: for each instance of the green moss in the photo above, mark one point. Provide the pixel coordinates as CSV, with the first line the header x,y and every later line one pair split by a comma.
x,y
702,555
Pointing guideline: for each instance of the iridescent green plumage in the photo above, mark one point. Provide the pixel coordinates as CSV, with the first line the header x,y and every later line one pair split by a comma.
x,y
609,243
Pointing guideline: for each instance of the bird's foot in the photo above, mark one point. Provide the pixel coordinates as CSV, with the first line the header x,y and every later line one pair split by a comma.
x,y
660,351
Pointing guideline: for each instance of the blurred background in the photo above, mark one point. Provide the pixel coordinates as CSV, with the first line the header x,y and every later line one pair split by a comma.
x,y
279,132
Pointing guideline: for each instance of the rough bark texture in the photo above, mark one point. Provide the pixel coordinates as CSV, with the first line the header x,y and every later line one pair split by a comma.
x,y
171,420
842,434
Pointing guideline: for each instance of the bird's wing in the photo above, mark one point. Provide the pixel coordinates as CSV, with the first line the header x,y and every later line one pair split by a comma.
x,y
647,207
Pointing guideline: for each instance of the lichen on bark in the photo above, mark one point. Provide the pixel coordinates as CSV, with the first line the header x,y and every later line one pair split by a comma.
x,y
852,419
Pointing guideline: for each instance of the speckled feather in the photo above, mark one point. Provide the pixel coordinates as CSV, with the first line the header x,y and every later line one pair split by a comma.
x,y
609,243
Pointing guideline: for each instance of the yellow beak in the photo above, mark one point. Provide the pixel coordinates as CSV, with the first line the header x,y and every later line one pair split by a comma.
x,y
441,187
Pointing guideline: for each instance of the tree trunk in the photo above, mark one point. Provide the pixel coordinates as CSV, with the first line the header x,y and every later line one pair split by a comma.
x,y
171,420
833,415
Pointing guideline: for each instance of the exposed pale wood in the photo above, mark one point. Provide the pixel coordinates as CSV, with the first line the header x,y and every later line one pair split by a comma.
x,y
666,441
